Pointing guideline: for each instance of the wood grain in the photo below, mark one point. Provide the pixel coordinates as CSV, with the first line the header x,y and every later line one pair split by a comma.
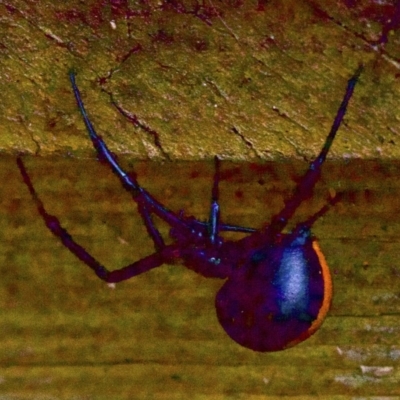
x,y
66,335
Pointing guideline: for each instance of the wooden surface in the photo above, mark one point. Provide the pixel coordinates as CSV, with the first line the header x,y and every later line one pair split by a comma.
x,y
247,80
67,335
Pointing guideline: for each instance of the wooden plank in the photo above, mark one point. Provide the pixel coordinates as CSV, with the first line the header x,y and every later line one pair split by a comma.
x,y
229,78
66,335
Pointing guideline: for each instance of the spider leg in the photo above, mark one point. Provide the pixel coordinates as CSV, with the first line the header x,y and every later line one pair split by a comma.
x,y
151,229
147,204
140,195
308,223
227,227
305,188
236,228
213,222
53,224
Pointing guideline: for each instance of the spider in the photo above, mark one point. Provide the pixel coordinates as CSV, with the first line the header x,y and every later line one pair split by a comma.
x,y
278,287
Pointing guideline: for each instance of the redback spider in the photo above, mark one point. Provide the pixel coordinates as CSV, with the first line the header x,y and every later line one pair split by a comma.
x,y
278,288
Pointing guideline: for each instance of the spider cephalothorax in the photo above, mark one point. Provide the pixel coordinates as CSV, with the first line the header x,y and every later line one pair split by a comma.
x,y
278,287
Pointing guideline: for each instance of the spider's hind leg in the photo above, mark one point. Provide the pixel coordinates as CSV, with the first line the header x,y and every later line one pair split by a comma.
x,y
154,260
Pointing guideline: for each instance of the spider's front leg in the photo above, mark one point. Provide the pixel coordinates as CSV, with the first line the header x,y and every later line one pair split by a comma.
x,y
305,188
166,253
146,203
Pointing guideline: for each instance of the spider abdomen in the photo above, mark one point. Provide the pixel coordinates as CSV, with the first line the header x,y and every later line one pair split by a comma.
x,y
280,299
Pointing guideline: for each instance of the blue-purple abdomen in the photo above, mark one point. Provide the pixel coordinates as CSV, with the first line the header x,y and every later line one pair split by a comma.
x,y
277,300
